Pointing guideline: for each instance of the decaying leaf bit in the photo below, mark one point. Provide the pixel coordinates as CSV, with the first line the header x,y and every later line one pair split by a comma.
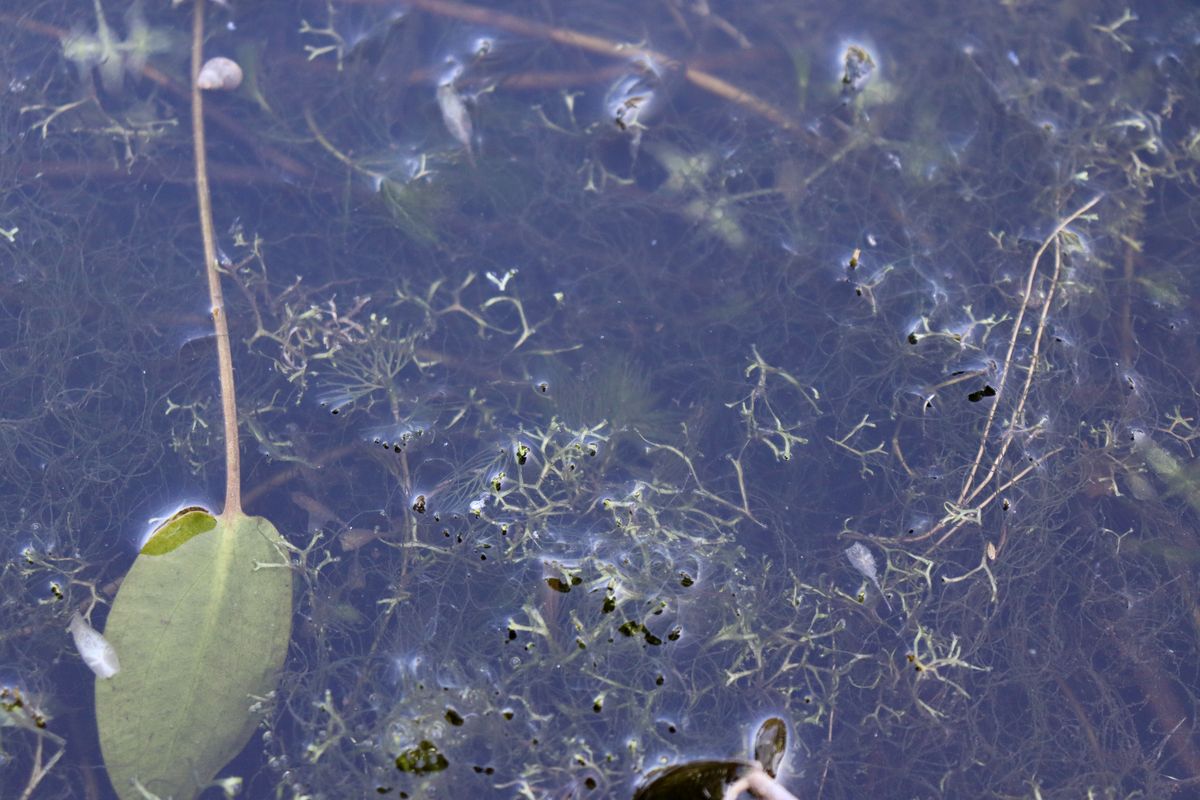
x,y
862,560
97,653
455,116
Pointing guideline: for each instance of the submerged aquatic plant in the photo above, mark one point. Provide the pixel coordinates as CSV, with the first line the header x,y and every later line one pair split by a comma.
x,y
112,56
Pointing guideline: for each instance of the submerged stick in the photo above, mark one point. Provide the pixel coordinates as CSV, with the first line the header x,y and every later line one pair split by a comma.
x,y
233,474
598,44
970,491
960,512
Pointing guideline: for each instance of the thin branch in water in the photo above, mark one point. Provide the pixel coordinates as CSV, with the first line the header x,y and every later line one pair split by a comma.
x,y
970,490
596,44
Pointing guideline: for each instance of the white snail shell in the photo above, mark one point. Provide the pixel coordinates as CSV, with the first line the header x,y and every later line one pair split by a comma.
x,y
220,73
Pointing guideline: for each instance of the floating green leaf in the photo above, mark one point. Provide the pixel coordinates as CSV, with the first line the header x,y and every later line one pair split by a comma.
x,y
201,631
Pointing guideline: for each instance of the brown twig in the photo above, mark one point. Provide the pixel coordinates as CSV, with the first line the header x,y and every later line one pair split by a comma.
x,y
283,476
596,44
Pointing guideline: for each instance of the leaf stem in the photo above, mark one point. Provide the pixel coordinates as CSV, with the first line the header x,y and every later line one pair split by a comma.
x,y
233,482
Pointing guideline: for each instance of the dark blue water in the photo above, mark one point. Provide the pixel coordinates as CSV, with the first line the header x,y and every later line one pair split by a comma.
x,y
576,343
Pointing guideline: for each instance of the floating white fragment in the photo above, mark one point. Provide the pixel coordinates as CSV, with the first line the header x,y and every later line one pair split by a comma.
x,y
97,653
862,560
455,116
501,281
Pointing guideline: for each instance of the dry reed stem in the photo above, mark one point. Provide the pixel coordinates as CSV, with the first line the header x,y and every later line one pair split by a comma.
x,y
970,490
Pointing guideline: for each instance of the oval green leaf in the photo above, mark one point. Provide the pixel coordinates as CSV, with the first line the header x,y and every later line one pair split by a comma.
x,y
202,631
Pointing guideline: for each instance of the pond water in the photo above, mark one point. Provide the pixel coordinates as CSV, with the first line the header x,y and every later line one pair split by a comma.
x,y
623,375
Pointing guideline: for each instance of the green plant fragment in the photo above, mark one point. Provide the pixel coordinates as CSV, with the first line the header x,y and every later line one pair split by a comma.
x,y
178,529
422,759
